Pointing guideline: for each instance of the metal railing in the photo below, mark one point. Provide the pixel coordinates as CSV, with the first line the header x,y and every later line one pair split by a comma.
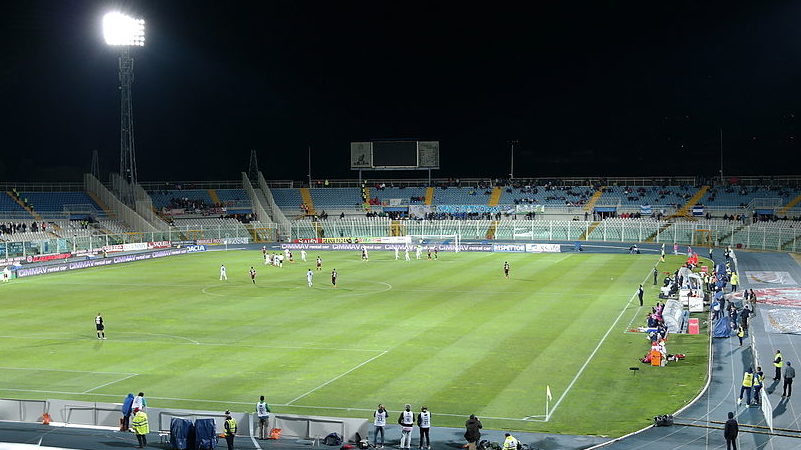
x,y
764,236
11,248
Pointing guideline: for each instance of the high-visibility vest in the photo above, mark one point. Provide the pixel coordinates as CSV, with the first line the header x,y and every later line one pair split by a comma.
x,y
758,377
510,443
748,379
139,424
230,426
780,360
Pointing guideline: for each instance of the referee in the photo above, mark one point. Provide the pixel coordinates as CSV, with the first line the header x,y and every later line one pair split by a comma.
x,y
101,334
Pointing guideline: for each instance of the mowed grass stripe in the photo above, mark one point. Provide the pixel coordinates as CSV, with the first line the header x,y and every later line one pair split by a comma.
x,y
460,337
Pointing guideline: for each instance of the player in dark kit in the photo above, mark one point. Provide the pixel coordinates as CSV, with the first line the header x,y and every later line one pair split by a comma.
x,y
334,277
101,333
319,263
506,269
252,274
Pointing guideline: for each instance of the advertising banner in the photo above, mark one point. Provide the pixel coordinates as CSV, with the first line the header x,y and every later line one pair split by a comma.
x,y
456,209
543,248
509,248
51,257
388,247
88,263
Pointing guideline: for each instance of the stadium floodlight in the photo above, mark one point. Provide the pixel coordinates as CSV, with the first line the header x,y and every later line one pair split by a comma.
x,y
125,33
122,30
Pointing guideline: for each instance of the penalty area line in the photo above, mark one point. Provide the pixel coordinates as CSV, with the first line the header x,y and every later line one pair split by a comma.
x,y
337,377
110,382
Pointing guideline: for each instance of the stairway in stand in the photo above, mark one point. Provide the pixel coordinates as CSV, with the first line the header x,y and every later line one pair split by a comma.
x,y
305,195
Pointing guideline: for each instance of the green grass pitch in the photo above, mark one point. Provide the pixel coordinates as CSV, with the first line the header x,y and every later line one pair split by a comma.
x,y
452,334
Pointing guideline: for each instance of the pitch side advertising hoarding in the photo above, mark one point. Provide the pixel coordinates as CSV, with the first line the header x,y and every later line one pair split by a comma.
x,y
88,263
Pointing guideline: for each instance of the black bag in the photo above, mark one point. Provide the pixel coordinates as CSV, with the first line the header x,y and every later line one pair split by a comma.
x,y
333,439
663,421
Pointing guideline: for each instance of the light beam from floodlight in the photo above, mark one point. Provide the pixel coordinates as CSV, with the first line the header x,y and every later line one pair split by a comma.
x,y
122,30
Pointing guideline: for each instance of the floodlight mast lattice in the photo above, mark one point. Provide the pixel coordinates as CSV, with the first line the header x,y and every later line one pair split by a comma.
x,y
125,32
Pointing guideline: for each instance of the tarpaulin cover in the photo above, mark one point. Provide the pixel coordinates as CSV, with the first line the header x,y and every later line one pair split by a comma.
x,y
672,314
205,434
721,329
182,434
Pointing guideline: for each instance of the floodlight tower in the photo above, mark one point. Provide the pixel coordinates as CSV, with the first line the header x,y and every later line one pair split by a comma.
x,y
125,32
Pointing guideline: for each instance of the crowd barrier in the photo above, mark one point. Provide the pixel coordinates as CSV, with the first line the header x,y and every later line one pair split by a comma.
x,y
99,414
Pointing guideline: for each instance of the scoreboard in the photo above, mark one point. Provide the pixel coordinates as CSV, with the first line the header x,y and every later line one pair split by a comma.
x,y
394,155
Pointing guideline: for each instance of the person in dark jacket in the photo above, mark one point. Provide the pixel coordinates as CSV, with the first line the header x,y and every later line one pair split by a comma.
x,y
789,374
472,433
730,431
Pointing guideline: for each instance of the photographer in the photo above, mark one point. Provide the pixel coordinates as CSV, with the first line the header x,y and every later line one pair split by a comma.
x,y
472,433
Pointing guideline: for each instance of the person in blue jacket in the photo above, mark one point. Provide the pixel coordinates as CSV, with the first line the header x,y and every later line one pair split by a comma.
x,y
125,422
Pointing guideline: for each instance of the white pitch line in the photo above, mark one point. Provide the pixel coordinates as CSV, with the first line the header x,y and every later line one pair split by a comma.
x,y
592,355
159,334
67,370
213,344
110,382
337,377
285,405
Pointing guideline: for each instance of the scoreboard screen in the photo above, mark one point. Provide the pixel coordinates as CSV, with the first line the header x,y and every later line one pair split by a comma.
x,y
395,154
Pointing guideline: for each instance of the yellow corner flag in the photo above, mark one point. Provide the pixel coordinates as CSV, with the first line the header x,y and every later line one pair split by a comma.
x,y
548,392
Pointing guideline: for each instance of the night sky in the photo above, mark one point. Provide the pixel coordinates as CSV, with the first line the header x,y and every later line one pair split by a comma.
x,y
588,88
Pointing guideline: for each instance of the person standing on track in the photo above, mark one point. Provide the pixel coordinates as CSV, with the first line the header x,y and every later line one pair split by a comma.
x,y
230,430
759,381
789,374
263,411
406,421
778,362
140,427
730,431
472,432
100,327
379,422
424,423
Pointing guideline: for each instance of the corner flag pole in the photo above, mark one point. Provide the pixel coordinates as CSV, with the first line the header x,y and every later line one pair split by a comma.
x,y
548,398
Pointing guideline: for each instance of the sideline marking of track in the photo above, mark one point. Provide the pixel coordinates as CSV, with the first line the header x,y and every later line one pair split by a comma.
x,y
337,377
592,355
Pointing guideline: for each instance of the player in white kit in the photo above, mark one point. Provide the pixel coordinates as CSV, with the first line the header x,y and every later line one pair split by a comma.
x,y
223,275
406,253
397,255
418,251
303,255
309,276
